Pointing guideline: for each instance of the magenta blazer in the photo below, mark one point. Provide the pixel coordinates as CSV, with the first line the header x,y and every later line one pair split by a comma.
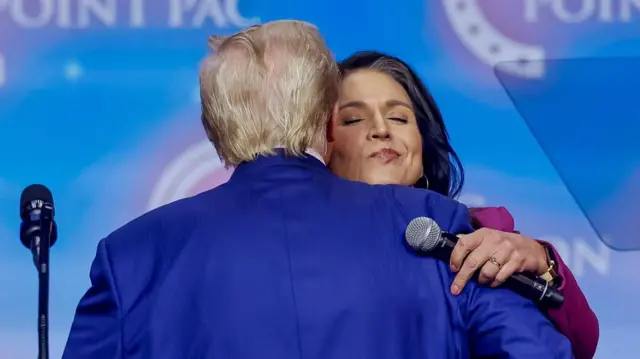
x,y
574,319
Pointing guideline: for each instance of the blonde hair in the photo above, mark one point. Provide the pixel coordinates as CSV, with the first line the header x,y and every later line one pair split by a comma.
x,y
272,85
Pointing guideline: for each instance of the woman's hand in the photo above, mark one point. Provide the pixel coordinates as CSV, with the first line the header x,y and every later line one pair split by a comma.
x,y
497,255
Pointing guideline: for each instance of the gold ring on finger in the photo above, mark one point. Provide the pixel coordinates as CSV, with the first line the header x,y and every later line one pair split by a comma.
x,y
495,261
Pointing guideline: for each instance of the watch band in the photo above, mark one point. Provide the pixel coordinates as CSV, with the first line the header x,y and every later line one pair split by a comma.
x,y
551,274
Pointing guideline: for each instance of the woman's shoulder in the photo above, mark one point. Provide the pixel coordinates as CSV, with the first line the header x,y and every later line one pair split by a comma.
x,y
497,218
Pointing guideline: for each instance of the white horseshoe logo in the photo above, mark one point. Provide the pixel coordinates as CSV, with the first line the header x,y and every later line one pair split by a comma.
x,y
488,44
183,173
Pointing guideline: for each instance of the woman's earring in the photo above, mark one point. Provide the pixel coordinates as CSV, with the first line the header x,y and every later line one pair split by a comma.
x,y
423,182
426,181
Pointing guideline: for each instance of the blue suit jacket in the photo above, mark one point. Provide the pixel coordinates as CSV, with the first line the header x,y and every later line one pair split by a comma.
x,y
288,261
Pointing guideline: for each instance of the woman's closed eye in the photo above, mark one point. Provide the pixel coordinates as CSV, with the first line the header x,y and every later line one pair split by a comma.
x,y
399,120
354,120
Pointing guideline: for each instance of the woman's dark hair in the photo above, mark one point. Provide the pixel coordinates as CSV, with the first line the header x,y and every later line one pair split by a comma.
x,y
441,164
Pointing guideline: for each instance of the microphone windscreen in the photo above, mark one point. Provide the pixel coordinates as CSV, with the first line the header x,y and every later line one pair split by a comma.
x,y
423,234
34,192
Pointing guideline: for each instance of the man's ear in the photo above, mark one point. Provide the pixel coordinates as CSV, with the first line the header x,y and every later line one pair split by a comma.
x,y
331,123
330,138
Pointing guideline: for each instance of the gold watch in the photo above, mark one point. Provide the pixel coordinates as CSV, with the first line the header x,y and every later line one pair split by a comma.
x,y
551,274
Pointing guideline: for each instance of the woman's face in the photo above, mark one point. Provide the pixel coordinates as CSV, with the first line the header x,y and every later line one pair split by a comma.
x,y
375,134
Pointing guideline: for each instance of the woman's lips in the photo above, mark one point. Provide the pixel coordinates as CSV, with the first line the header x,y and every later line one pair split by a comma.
x,y
386,154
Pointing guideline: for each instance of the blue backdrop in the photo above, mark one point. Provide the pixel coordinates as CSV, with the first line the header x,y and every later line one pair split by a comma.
x,y
99,101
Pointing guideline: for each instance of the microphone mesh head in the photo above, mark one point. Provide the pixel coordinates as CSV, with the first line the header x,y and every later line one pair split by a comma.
x,y
423,234
34,192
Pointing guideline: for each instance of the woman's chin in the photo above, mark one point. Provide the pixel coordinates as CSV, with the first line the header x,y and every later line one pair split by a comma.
x,y
382,179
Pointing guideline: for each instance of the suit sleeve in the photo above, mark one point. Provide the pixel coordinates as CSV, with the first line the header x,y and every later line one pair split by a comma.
x,y
502,324
96,329
460,221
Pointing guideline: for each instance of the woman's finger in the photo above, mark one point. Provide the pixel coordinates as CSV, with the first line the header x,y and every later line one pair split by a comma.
x,y
474,261
512,266
490,269
465,245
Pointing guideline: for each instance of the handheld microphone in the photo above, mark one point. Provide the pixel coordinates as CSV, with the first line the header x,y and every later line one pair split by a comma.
x,y
425,236
38,232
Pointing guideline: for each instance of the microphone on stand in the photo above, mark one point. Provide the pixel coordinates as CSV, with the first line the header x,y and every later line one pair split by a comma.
x,y
38,232
425,236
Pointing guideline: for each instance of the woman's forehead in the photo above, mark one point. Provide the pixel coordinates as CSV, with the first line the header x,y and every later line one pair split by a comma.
x,y
371,84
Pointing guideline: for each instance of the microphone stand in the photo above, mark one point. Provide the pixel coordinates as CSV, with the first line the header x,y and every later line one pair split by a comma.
x,y
40,247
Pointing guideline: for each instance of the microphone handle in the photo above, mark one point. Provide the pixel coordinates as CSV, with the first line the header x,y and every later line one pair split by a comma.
x,y
525,284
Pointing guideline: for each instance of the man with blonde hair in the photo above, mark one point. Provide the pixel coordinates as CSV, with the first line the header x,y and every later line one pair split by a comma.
x,y
285,261
266,87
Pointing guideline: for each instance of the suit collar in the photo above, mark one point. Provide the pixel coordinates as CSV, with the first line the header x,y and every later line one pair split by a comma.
x,y
308,151
315,154
281,164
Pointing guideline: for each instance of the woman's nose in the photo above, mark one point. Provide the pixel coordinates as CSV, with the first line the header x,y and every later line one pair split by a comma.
x,y
380,130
